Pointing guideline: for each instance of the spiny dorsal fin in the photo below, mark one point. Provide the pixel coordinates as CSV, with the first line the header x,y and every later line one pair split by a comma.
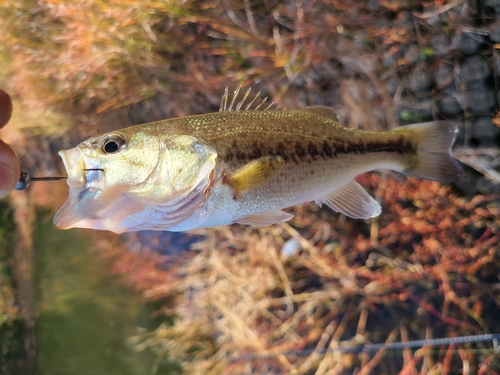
x,y
247,102
321,110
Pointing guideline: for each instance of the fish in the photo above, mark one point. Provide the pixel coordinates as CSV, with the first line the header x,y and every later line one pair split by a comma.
x,y
243,164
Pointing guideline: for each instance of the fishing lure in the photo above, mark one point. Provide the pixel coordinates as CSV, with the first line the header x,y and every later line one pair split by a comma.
x,y
25,180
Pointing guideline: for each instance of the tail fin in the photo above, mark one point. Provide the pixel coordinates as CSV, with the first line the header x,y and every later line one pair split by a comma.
x,y
434,159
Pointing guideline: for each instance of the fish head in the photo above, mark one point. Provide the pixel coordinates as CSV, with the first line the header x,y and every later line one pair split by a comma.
x,y
117,176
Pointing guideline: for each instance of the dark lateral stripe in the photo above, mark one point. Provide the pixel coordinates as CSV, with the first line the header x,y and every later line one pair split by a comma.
x,y
400,146
300,152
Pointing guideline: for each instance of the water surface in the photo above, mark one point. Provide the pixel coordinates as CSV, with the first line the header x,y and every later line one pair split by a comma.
x,y
83,316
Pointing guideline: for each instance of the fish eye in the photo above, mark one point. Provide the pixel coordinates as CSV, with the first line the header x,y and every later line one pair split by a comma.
x,y
112,143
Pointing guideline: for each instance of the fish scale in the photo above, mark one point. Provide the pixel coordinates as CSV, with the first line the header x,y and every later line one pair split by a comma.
x,y
241,166
294,135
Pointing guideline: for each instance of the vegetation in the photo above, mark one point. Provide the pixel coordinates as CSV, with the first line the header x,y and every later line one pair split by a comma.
x,y
252,300
257,298
83,317
12,355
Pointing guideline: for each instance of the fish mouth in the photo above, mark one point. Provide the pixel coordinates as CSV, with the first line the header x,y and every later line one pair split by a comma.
x,y
82,204
84,190
79,173
74,163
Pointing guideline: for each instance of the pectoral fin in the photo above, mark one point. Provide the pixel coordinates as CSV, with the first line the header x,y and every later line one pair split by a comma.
x,y
265,219
353,201
254,174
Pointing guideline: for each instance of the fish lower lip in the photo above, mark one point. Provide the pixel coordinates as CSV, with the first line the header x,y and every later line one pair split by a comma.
x,y
81,204
73,164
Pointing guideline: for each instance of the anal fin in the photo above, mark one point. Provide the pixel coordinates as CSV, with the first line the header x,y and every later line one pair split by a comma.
x,y
352,200
254,174
265,219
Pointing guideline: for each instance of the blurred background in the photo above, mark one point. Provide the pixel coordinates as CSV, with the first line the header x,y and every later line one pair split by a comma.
x,y
238,299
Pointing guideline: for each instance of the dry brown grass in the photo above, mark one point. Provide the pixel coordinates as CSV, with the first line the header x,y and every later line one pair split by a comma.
x,y
245,306
89,56
78,53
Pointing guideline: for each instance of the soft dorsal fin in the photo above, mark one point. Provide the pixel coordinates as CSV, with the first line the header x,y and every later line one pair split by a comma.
x,y
247,102
353,201
321,110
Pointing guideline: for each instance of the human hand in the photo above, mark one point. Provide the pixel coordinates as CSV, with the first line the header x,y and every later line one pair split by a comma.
x,y
9,163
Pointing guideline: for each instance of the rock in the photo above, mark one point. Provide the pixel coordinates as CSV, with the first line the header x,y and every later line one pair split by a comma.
x,y
290,248
494,4
482,101
412,53
483,133
393,83
496,63
441,45
468,184
388,60
443,75
449,106
475,85
420,80
361,38
374,6
468,44
475,68
498,97
495,34
419,110
486,186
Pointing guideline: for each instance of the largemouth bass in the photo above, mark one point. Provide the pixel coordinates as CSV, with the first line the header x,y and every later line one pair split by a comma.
x,y
243,164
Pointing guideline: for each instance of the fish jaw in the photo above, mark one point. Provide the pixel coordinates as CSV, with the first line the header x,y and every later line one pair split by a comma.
x,y
81,205
119,212
74,163
81,199
88,195
95,209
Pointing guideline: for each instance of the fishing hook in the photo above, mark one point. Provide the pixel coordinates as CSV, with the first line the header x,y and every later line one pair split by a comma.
x,y
25,180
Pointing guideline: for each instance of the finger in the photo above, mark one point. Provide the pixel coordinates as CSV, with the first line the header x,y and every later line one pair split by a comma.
x,y
9,169
5,108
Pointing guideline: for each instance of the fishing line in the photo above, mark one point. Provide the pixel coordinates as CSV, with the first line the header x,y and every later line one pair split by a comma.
x,y
24,148
494,337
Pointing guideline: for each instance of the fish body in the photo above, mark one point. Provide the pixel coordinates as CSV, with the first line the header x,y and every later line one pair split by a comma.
x,y
240,166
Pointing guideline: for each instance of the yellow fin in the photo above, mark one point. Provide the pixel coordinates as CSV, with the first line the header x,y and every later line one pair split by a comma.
x,y
265,219
353,201
254,174
321,110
